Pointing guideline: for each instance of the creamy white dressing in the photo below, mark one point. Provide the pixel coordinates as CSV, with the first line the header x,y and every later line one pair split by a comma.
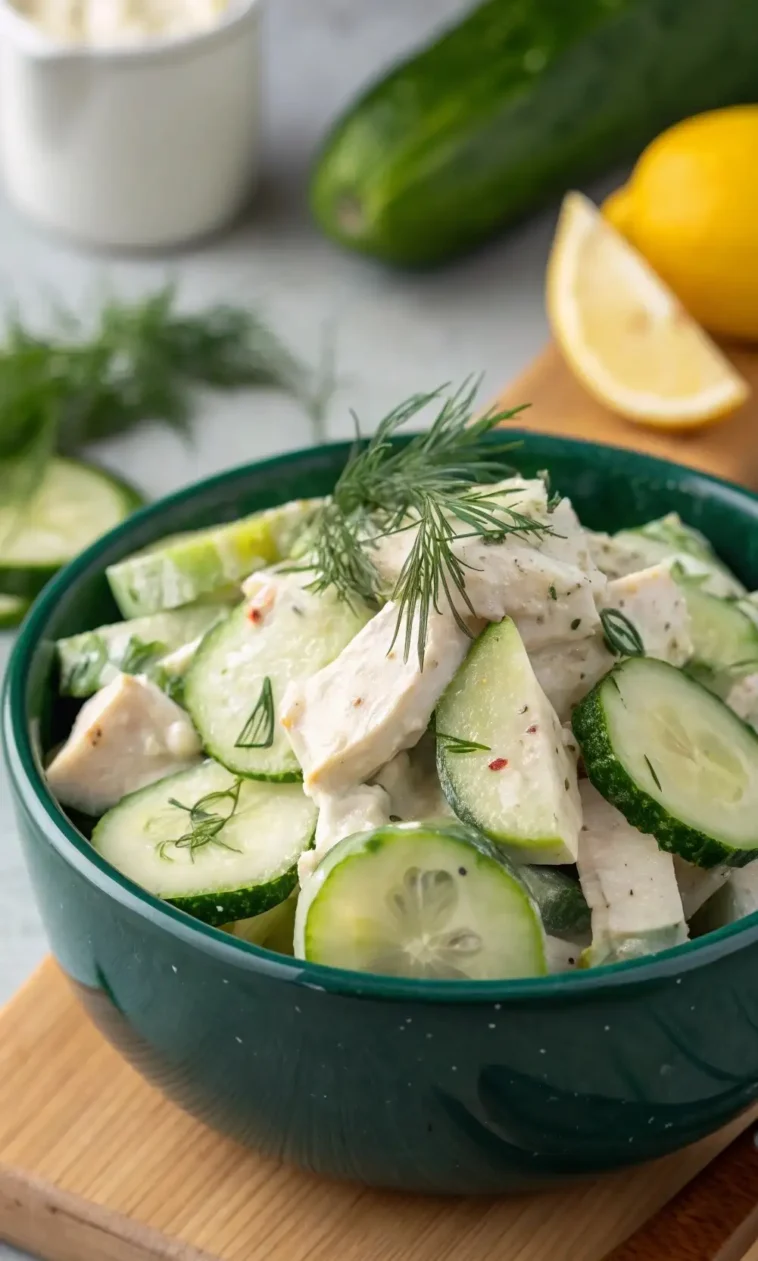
x,y
629,883
352,717
108,22
656,606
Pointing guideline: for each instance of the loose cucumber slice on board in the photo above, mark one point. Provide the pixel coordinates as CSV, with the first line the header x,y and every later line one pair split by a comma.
x,y
501,757
724,636
74,505
12,610
230,872
234,687
90,660
181,569
417,901
674,760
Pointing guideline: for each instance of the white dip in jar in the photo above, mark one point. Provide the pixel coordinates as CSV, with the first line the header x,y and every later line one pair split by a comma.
x,y
130,123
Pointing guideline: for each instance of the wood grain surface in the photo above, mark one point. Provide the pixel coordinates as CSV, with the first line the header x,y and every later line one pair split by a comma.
x,y
96,1166
558,404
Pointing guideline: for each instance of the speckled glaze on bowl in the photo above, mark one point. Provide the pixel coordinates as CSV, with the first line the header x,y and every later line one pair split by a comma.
x,y
437,1086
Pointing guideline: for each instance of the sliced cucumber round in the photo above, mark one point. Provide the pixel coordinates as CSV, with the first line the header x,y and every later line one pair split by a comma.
x,y
74,505
12,610
724,636
668,538
184,567
674,760
220,848
417,901
90,660
234,687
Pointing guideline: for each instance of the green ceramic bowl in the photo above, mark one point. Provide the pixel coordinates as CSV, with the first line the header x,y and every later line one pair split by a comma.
x,y
439,1086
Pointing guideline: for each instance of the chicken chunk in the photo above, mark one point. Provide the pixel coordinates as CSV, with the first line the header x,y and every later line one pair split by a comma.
x,y
127,735
352,717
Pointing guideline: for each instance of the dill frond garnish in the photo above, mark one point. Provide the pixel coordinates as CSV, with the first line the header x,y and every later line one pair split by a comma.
x,y
206,821
435,486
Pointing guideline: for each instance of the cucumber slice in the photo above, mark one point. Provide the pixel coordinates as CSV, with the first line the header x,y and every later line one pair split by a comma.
x,y
74,505
667,539
562,905
724,636
519,785
182,568
273,929
238,677
12,610
674,760
90,660
413,900
742,697
248,866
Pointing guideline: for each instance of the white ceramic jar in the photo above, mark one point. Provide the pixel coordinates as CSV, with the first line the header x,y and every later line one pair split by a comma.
x,y
139,146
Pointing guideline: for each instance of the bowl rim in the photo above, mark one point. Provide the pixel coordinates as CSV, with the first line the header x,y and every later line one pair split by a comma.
x,y
32,793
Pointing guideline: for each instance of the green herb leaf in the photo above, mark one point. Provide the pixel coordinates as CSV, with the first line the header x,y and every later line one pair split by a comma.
x,y
456,744
92,658
651,768
258,731
621,636
434,486
207,819
141,361
139,656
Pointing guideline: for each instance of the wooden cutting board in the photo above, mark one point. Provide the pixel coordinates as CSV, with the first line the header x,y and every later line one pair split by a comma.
x,y
96,1166
558,404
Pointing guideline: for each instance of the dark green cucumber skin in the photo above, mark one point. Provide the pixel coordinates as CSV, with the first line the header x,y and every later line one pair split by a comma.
x,y
28,580
520,101
237,903
562,905
607,774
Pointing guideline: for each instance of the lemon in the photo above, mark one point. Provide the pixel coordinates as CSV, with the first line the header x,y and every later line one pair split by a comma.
x,y
691,207
624,333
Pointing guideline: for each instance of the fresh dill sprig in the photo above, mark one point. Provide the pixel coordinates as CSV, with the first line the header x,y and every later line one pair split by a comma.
x,y
621,636
258,731
205,822
141,361
434,486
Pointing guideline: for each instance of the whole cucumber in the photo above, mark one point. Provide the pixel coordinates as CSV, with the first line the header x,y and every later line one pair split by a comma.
x,y
522,100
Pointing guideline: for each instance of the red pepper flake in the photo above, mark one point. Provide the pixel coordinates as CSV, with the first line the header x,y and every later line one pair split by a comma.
x,y
531,730
254,615
498,763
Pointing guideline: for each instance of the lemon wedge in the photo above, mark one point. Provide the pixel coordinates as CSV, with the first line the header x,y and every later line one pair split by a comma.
x,y
625,334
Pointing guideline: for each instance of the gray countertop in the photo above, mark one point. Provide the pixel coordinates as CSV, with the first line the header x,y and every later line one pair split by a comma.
x,y
395,333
